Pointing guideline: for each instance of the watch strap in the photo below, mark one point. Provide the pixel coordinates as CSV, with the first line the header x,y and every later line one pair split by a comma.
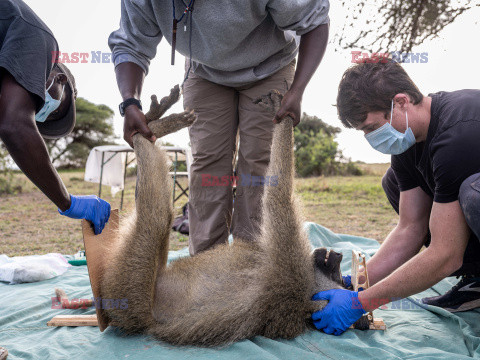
x,y
128,102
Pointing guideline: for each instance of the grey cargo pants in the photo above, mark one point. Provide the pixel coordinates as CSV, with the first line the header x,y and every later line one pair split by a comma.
x,y
222,112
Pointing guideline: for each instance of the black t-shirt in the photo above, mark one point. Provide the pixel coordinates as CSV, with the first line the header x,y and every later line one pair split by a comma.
x,y
26,46
451,151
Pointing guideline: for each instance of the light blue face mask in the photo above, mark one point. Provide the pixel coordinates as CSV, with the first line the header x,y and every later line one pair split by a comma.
x,y
388,140
51,105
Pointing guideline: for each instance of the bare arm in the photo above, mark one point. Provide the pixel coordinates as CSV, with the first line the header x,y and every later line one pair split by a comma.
x,y
450,235
406,238
25,144
130,81
312,49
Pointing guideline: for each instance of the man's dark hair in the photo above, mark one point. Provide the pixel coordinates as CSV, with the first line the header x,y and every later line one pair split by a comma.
x,y
368,87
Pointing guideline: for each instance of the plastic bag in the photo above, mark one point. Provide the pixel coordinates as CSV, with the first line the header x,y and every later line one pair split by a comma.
x,y
22,269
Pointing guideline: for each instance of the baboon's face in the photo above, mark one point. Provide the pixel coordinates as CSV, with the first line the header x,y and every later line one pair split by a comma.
x,y
327,264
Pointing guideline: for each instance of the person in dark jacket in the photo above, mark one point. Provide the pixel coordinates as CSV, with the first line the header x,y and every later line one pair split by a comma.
x,y
37,99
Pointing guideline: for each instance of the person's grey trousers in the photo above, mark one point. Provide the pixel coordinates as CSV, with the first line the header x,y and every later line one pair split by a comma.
x,y
222,112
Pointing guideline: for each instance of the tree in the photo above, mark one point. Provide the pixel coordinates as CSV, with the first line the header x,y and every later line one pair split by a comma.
x,y
397,25
316,151
9,183
94,127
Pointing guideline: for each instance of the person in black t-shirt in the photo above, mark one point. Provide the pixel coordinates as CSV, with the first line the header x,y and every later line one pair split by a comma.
x,y
37,98
433,184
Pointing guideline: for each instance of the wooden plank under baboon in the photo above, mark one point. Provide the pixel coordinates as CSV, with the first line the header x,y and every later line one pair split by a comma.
x,y
73,320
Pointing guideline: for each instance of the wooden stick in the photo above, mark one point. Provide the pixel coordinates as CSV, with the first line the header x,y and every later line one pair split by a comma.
x,y
73,320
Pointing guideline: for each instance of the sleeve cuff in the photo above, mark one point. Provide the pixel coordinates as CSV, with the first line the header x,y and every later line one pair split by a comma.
x,y
314,25
70,209
122,57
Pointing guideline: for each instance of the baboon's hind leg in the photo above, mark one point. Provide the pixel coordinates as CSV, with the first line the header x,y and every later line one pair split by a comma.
x,y
143,248
158,109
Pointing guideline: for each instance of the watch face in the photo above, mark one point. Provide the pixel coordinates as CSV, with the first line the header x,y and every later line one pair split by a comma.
x,y
120,108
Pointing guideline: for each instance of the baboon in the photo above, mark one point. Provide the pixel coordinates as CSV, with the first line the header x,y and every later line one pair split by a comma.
x,y
230,292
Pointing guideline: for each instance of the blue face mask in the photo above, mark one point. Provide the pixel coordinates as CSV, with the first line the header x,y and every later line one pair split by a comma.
x,y
51,105
388,140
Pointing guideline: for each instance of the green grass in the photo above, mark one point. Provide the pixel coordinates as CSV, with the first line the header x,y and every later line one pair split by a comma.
x,y
30,223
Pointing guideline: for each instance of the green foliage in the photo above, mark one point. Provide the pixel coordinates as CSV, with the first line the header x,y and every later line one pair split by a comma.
x,y
316,151
94,127
9,183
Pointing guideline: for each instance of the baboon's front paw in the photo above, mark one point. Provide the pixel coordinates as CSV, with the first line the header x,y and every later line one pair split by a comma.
x,y
271,101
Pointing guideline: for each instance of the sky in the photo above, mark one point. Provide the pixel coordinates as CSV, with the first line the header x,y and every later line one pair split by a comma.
x,y
84,26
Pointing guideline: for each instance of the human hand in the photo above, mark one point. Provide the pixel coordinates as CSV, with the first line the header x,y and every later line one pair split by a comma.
x,y
343,309
135,122
291,105
91,208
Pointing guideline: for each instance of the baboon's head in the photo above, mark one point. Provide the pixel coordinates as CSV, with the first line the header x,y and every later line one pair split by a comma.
x,y
327,269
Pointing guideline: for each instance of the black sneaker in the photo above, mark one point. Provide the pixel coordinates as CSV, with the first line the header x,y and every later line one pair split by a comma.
x,y
462,297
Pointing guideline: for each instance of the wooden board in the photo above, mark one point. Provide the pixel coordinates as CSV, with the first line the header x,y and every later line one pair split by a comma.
x,y
97,251
73,320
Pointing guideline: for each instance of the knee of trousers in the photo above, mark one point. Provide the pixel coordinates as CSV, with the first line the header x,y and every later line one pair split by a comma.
x,y
469,198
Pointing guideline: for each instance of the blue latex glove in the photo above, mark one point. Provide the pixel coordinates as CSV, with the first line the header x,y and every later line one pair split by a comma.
x,y
347,280
91,208
343,309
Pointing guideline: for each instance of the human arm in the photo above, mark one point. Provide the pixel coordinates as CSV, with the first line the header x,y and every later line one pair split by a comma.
x,y
130,80
27,148
25,144
133,45
309,19
311,51
450,235
406,238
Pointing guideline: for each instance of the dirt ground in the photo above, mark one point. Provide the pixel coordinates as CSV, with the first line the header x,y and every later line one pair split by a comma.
x,y
30,223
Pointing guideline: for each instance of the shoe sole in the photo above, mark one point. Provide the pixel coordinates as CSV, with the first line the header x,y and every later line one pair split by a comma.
x,y
466,306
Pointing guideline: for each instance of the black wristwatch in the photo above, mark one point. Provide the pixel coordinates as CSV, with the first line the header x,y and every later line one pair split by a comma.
x,y
128,102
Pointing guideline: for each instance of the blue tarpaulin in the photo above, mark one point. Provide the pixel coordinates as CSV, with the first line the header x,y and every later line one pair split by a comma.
x,y
413,330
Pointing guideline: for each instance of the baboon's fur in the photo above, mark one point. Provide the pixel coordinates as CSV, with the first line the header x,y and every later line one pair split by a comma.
x,y
228,293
